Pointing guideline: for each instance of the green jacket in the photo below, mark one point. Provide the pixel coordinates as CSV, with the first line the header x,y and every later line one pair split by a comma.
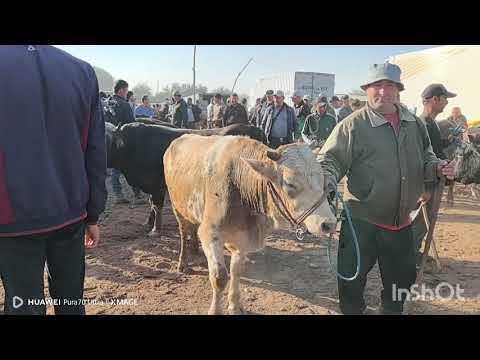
x,y
318,128
386,174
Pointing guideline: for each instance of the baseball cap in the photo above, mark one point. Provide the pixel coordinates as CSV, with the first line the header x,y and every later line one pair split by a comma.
x,y
345,97
436,90
279,93
334,98
296,93
177,93
322,101
269,92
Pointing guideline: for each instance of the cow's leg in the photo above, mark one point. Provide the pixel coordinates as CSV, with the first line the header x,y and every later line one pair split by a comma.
x,y
475,192
236,268
151,217
194,241
157,201
450,194
213,248
186,230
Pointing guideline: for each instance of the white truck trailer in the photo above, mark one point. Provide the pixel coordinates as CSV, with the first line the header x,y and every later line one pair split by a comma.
x,y
454,66
307,83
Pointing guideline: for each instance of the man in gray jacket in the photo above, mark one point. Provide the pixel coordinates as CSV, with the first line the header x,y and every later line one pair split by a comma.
x,y
279,122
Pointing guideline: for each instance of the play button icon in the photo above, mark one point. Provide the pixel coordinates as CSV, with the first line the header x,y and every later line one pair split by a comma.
x,y
17,302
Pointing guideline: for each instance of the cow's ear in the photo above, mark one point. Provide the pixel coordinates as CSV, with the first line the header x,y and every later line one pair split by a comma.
x,y
273,155
471,137
262,168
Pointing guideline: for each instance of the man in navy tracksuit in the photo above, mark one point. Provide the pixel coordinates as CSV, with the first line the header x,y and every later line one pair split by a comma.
x,y
52,176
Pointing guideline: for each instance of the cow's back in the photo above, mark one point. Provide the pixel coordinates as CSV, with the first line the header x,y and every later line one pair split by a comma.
x,y
199,166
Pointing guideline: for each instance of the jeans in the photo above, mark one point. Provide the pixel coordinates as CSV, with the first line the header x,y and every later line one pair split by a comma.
x,y
22,265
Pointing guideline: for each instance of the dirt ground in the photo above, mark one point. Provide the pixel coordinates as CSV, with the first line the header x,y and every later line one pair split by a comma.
x,y
288,277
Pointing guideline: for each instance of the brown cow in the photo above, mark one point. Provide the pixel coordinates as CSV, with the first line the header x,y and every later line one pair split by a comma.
x,y
232,191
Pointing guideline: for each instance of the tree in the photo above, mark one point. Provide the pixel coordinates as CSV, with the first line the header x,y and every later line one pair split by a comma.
x,y
357,92
142,89
105,79
222,90
185,89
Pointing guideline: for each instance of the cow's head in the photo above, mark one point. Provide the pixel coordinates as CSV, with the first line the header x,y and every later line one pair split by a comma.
x,y
298,179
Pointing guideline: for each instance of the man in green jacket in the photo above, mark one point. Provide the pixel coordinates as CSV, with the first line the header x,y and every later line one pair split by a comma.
x,y
318,126
386,154
301,112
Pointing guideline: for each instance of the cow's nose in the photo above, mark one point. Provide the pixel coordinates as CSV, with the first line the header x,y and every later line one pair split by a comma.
x,y
328,227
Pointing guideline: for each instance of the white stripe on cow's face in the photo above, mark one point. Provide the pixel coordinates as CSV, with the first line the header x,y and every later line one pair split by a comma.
x,y
302,181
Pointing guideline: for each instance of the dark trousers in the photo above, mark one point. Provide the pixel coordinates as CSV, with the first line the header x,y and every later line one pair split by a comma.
x,y
394,251
22,264
276,142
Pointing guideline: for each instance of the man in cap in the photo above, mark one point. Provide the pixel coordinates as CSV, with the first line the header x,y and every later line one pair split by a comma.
x,y
266,104
235,113
318,125
457,118
179,114
386,154
336,103
434,99
279,122
301,112
252,113
328,107
306,101
345,110
218,111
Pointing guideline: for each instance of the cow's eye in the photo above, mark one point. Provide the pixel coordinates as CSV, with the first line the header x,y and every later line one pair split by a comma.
x,y
290,186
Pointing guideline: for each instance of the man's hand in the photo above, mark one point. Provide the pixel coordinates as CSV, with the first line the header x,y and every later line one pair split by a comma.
x,y
425,197
92,236
446,169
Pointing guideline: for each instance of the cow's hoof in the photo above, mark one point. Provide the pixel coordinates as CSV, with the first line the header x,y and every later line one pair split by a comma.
x,y
147,225
214,311
154,233
182,268
236,310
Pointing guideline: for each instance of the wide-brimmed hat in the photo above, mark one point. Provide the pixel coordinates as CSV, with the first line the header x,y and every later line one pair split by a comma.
x,y
386,71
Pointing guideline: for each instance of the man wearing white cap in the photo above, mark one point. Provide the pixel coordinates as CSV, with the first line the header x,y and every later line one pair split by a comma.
x,y
279,122
301,112
386,154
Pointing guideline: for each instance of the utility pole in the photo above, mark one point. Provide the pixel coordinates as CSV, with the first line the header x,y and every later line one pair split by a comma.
x,y
194,53
240,73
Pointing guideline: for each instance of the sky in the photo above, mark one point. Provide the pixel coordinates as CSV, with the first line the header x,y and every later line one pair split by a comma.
x,y
218,65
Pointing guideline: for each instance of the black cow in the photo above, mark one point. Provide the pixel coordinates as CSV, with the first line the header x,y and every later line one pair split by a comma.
x,y
137,151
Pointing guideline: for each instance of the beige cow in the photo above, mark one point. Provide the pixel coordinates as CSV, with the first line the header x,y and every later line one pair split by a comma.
x,y
232,191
